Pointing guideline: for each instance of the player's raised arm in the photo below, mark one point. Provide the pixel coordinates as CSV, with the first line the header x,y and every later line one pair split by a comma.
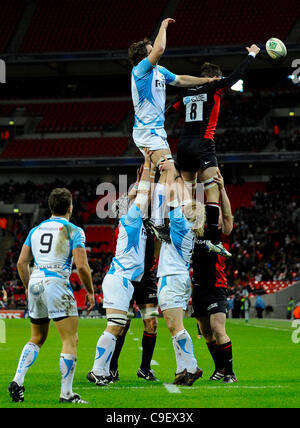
x,y
171,188
227,218
240,71
144,187
159,45
23,265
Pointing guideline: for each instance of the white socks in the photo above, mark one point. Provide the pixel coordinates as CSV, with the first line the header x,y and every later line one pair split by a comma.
x,y
104,351
183,347
67,365
27,358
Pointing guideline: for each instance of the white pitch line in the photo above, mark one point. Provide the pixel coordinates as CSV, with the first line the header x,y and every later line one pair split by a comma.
x,y
234,387
269,328
136,339
172,389
154,363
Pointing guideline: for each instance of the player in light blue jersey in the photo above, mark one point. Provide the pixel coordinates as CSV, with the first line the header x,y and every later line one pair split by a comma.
x,y
126,266
53,245
174,287
148,86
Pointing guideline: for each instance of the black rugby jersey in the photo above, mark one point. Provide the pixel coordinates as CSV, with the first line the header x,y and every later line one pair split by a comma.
x,y
201,104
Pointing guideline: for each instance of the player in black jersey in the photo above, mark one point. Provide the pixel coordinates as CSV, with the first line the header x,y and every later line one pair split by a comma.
x,y
196,153
209,296
145,296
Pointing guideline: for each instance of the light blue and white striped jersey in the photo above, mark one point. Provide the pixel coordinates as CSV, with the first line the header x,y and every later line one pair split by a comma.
x,y
129,260
148,89
175,257
52,243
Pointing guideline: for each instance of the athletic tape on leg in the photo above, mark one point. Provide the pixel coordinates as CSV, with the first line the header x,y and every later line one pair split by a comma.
x,y
209,183
147,313
116,320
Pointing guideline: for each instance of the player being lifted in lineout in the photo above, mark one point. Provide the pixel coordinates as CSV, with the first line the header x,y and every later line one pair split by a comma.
x,y
196,153
148,87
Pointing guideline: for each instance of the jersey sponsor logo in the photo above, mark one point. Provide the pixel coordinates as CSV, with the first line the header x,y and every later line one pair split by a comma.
x,y
160,84
195,98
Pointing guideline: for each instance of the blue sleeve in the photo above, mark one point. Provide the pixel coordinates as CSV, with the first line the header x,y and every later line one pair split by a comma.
x,y
178,222
133,217
28,239
79,238
144,67
170,77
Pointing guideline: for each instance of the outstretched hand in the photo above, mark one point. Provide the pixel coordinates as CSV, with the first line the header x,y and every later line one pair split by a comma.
x,y
254,49
166,164
166,22
219,180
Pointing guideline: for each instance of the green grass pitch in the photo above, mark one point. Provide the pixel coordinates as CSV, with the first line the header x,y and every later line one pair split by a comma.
x,y
266,362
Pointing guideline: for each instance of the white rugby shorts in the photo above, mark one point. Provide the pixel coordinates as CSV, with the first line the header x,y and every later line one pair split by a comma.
x,y
174,291
51,298
152,139
117,292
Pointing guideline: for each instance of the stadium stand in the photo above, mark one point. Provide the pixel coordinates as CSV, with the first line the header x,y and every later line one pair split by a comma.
x,y
67,147
72,116
10,13
236,23
83,26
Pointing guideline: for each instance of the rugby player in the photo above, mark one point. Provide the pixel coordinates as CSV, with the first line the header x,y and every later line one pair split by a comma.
x,y
174,286
127,266
196,154
145,296
209,295
148,87
53,245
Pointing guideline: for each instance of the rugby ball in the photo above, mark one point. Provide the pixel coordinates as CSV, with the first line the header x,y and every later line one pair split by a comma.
x,y
276,48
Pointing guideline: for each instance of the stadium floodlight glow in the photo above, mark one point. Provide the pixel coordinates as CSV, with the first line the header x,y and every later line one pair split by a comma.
x,y
238,86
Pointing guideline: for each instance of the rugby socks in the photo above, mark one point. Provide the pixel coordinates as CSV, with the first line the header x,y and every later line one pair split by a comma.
x,y
118,348
67,365
179,362
159,204
28,356
213,349
184,352
225,356
104,351
148,345
212,210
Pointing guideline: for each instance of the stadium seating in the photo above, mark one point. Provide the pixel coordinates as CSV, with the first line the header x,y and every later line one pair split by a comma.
x,y
236,22
73,116
68,147
101,238
84,26
10,13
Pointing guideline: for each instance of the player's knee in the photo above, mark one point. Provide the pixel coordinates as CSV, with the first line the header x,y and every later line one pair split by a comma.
x,y
38,339
150,325
207,334
219,331
116,324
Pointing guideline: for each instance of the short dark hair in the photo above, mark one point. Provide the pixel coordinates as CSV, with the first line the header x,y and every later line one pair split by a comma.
x,y
60,200
138,51
210,70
